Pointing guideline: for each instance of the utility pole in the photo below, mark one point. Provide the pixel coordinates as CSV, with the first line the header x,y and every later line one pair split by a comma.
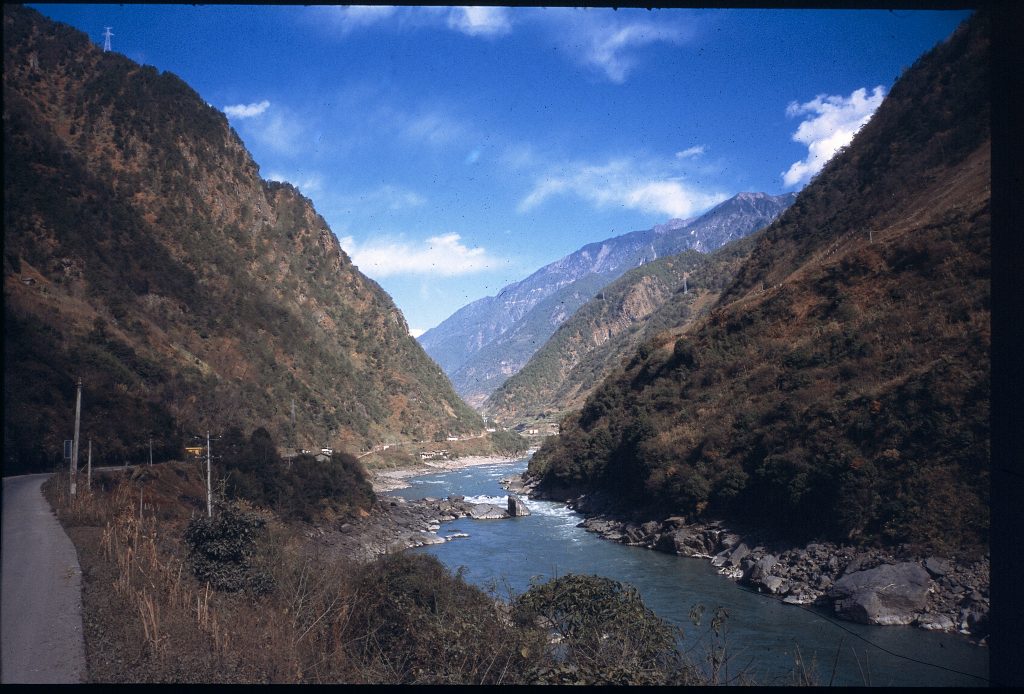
x,y
684,282
209,494
106,39
88,470
74,445
150,450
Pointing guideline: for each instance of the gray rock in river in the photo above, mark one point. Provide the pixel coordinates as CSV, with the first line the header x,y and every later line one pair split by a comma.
x,y
886,594
486,511
516,507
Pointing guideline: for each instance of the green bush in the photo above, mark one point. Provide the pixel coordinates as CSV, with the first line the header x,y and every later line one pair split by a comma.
x,y
222,550
606,634
412,622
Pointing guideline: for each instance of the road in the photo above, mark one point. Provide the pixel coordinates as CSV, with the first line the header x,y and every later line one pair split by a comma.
x,y
40,591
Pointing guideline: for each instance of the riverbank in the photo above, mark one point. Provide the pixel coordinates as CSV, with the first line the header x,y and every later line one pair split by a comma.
x,y
396,524
388,480
884,586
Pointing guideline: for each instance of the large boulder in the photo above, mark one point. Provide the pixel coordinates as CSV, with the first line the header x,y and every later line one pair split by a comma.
x,y
687,542
762,568
936,567
737,555
974,617
516,507
486,511
886,594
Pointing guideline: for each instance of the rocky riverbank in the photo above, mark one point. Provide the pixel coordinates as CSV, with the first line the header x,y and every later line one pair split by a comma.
x,y
867,585
396,524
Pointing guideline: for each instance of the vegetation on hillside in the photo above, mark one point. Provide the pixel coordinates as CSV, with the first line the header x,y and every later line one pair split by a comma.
x,y
172,596
143,253
840,387
603,332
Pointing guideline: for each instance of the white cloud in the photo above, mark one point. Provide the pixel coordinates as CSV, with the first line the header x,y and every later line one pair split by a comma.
x,y
833,122
433,128
480,21
442,255
610,42
279,132
247,110
308,184
691,152
624,183
386,196
345,19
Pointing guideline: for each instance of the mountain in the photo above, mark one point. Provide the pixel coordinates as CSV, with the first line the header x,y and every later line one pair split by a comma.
x,y
839,388
144,253
668,292
485,342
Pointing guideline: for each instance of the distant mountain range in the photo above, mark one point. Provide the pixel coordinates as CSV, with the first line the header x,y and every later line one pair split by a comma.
x,y
671,292
485,342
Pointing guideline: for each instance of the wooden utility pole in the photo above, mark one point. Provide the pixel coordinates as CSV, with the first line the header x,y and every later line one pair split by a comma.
x,y
150,450
88,470
74,445
209,494
684,283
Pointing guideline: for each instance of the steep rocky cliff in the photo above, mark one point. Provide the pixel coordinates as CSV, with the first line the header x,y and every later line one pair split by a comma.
x,y
840,386
144,253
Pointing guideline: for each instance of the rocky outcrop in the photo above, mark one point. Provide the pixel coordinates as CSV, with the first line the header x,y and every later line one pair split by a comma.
x,y
887,594
486,511
930,592
396,524
516,506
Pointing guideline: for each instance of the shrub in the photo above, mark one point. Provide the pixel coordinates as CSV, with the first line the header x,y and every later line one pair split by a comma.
x,y
607,633
222,550
412,622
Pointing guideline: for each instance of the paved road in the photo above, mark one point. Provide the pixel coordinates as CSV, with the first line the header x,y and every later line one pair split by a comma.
x,y
40,592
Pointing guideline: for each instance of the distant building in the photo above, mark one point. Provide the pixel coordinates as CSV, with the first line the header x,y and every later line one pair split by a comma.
x,y
194,451
327,451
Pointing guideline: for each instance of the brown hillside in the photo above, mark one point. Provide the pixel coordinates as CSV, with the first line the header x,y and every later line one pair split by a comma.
x,y
143,252
840,388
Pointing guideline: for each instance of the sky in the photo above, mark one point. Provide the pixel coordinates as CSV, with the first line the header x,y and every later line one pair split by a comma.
x,y
455,150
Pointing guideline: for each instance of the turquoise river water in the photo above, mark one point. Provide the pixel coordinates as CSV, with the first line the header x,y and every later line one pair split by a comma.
x,y
763,636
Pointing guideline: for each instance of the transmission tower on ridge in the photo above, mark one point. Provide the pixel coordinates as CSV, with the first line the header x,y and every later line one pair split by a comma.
x,y
106,39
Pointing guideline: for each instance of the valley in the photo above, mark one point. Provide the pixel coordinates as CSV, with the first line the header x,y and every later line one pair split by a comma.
x,y
748,442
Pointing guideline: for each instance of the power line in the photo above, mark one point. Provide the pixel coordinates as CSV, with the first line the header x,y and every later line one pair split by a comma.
x,y
867,641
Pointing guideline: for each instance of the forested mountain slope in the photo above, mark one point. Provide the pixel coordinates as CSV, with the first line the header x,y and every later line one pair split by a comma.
x,y
144,253
840,387
485,342
669,292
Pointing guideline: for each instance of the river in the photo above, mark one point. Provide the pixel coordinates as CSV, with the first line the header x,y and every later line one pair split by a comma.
x,y
763,637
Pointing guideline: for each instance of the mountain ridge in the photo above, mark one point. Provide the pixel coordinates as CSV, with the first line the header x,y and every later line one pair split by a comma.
x,y
143,252
839,389
469,344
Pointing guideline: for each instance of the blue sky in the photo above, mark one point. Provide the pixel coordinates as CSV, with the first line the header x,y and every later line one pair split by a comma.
x,y
455,150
